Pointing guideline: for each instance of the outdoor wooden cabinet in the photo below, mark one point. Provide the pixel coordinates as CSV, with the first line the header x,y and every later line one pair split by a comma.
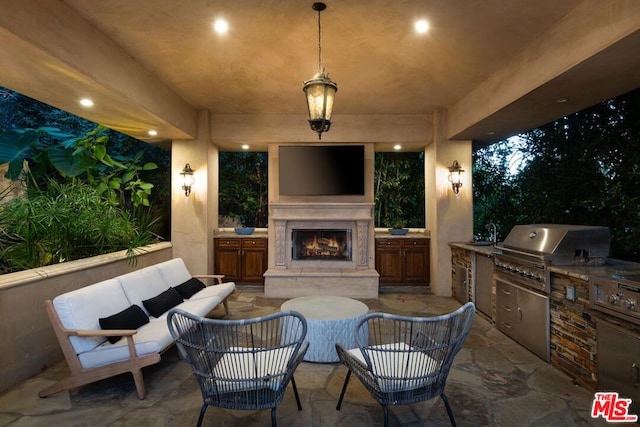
x,y
403,261
241,260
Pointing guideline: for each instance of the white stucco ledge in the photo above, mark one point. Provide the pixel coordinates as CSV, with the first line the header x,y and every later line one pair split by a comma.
x,y
27,276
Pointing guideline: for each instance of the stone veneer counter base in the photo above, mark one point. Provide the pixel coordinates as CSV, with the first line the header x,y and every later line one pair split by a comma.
x,y
299,282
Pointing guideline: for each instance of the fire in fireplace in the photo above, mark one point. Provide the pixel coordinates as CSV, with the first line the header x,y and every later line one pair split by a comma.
x,y
310,244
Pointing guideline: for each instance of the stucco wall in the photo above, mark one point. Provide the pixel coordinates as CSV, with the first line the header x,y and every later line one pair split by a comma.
x,y
29,344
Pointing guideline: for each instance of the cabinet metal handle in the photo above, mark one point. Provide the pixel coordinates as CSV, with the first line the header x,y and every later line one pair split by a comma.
x,y
506,325
506,292
506,308
520,313
635,371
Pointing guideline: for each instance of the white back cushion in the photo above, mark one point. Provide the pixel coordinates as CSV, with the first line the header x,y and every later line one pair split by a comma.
x,y
142,284
81,309
174,271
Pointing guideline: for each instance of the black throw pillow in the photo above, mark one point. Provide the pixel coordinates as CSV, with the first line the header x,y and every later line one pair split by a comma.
x,y
129,318
163,302
189,288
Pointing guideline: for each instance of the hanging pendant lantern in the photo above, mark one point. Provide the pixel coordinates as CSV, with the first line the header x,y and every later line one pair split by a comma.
x,y
320,90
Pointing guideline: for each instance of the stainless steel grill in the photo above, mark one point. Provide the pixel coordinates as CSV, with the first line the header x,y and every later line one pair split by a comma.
x,y
522,275
529,250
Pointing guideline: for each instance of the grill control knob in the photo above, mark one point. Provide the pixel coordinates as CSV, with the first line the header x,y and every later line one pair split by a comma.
x,y
630,303
613,298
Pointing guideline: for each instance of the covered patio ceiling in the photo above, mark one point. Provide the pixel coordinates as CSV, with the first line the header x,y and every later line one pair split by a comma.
x,y
497,67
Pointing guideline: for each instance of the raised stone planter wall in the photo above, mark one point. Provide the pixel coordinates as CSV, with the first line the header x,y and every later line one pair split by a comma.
x,y
29,344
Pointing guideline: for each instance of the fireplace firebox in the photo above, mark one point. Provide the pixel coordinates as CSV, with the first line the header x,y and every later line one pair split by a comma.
x,y
321,244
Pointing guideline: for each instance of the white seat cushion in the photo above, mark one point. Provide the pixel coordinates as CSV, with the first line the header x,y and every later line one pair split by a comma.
x,y
142,285
151,338
242,366
81,309
398,371
221,291
199,307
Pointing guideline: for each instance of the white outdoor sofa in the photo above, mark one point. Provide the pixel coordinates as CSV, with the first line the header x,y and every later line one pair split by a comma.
x,y
76,319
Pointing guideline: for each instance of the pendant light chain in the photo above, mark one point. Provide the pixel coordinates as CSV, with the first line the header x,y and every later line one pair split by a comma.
x,y
319,44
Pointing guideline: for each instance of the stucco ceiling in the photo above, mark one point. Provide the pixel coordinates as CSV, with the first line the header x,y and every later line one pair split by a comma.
x,y
369,48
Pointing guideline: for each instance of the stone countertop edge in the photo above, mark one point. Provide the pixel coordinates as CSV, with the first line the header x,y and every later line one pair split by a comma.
x,y
228,233
486,250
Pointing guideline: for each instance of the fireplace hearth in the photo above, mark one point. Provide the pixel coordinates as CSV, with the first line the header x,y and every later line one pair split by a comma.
x,y
323,244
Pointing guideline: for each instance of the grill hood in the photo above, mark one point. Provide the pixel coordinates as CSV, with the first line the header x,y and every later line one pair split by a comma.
x,y
561,244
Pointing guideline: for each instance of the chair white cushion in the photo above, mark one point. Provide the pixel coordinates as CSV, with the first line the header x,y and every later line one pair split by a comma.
x,y
404,370
142,285
81,309
243,366
173,272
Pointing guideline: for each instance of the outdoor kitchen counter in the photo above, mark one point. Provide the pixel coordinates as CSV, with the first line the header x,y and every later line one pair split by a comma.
x,y
481,249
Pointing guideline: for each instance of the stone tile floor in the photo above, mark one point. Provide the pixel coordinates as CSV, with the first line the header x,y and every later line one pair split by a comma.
x,y
494,382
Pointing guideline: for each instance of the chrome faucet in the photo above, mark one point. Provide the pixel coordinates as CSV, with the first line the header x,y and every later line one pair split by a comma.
x,y
494,234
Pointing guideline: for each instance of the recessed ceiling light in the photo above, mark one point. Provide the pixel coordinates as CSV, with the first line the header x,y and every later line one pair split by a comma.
x,y
86,102
561,100
245,147
397,147
421,26
152,133
221,26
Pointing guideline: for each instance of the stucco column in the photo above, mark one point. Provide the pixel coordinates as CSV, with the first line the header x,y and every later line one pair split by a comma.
x,y
449,216
193,218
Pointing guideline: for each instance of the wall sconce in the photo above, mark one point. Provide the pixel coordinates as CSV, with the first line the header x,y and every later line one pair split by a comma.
x,y
455,172
187,179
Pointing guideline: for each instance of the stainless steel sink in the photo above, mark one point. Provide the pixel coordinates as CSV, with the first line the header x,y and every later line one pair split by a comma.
x,y
481,243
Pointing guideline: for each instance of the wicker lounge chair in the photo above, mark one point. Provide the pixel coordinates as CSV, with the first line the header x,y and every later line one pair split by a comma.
x,y
242,364
403,360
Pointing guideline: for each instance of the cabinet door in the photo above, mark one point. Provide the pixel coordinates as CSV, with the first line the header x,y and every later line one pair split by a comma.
x,y
389,260
416,262
533,322
254,260
619,362
483,279
227,259
254,263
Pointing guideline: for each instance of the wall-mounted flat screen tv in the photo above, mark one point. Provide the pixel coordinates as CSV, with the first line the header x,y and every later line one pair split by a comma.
x,y
321,170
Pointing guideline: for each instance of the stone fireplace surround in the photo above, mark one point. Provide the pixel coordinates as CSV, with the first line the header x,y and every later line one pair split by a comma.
x,y
289,278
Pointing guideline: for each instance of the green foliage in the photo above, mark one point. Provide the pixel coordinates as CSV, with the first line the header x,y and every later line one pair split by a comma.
x,y
399,190
581,169
67,221
119,212
243,187
117,178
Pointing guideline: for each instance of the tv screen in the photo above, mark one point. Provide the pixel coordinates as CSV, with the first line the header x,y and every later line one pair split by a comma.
x,y
321,170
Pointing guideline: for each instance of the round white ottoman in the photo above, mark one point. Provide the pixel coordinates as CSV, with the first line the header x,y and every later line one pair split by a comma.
x,y
330,320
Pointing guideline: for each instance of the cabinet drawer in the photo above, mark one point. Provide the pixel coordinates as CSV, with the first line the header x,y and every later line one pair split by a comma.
x,y
415,242
254,243
389,243
228,243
